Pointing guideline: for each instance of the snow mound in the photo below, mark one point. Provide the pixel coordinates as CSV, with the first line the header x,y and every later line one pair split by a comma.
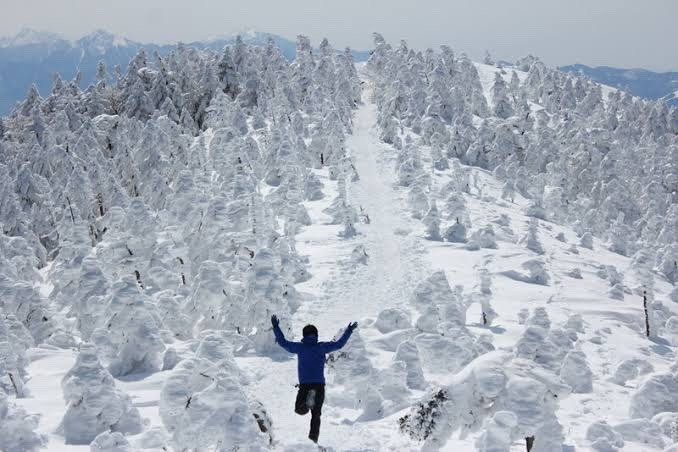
x,y
392,319
110,442
95,405
603,437
657,394
576,372
642,431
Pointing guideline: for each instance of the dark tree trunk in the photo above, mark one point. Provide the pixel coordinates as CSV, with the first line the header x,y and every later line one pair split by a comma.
x,y
138,276
529,442
647,314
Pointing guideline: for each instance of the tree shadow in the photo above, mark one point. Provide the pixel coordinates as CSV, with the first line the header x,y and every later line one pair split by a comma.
x,y
496,329
660,346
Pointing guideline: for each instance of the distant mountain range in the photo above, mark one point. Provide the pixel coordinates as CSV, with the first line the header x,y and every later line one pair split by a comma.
x,y
640,82
34,57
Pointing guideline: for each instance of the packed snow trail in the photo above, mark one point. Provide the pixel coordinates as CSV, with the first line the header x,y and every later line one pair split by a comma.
x,y
394,263
341,291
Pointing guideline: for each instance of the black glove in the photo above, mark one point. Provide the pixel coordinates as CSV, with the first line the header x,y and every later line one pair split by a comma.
x,y
353,326
274,321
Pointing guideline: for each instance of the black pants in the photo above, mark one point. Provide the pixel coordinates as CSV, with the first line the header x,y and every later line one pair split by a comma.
x,y
301,407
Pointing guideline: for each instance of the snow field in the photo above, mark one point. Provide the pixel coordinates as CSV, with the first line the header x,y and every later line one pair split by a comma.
x,y
482,321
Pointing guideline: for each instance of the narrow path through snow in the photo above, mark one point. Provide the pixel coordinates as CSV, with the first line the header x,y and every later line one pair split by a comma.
x,y
343,291
395,261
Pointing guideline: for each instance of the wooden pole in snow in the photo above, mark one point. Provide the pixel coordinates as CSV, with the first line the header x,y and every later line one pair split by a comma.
x,y
647,315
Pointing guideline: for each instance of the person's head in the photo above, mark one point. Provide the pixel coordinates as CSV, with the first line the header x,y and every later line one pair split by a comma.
x,y
310,330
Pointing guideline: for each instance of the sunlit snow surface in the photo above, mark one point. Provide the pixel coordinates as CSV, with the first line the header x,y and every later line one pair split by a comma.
x,y
342,290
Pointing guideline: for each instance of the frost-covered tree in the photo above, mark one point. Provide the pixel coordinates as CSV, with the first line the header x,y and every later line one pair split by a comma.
x,y
502,106
128,335
14,340
575,372
18,429
488,314
530,395
456,232
584,179
203,405
531,239
432,223
95,405
408,353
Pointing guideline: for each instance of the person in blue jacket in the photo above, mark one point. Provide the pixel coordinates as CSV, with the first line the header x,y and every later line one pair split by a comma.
x,y
311,369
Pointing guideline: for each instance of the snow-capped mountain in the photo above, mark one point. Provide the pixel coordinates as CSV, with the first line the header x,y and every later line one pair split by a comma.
x,y
506,239
29,37
102,42
33,57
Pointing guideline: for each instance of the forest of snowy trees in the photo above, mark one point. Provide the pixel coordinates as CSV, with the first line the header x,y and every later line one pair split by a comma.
x,y
602,161
154,230
159,208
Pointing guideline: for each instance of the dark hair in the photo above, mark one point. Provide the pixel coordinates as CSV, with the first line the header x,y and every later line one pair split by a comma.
x,y
310,330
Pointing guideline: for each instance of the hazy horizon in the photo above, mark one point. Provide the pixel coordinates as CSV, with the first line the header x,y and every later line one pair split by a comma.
x,y
600,33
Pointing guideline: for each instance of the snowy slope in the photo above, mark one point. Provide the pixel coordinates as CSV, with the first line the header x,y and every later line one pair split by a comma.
x,y
399,257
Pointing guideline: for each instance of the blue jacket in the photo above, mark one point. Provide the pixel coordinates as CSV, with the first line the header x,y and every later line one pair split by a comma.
x,y
311,354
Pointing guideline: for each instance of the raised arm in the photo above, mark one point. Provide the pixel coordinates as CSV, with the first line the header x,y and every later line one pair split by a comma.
x,y
291,347
329,347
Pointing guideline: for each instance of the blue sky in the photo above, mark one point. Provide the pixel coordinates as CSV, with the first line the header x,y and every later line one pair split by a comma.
x,y
625,33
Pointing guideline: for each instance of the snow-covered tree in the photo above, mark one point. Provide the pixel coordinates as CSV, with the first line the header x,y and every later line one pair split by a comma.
x,y
531,239
128,335
432,223
18,429
95,405
203,405
575,372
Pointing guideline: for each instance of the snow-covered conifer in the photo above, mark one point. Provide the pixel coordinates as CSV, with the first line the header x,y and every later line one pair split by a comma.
x,y
94,403
129,335
418,201
359,255
575,372
531,239
432,222
456,232
586,240
537,271
484,237
18,429
14,340
203,406
408,353
502,106
487,314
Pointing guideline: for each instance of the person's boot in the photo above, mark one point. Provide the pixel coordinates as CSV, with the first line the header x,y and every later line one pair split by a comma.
x,y
313,438
310,399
